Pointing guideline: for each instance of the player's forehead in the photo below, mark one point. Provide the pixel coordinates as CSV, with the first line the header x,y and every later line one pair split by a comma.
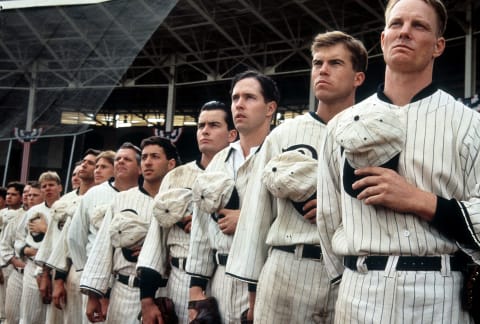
x,y
125,152
48,183
12,191
153,149
212,116
103,161
34,192
247,86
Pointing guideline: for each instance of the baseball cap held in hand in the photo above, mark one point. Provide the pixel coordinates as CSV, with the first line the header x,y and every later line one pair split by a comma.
x,y
372,134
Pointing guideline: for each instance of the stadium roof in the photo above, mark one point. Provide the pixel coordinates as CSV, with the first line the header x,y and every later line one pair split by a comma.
x,y
141,56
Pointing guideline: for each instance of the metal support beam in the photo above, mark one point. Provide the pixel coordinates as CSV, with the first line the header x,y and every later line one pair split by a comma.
x,y
70,161
171,97
469,71
29,122
7,162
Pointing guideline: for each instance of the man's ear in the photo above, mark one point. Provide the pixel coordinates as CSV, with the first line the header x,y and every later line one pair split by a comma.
x,y
439,47
358,79
271,108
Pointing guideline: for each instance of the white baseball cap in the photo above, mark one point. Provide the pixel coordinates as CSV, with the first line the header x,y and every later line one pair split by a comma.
x,y
212,191
370,135
170,206
127,229
291,175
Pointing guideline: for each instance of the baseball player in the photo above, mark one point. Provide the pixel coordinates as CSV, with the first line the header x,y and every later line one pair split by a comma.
x,y
158,157
104,164
254,101
14,199
52,240
81,231
215,130
32,307
398,228
11,255
276,245
75,180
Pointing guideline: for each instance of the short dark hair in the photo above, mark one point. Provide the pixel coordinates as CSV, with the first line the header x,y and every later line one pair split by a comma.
x,y
3,192
17,185
168,147
218,105
34,184
136,149
269,87
358,53
91,151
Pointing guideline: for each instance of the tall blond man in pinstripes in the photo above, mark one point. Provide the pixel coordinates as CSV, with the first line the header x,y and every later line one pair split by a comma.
x,y
116,267
214,132
254,101
399,228
276,245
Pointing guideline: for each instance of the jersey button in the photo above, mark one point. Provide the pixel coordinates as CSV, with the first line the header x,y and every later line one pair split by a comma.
x,y
406,233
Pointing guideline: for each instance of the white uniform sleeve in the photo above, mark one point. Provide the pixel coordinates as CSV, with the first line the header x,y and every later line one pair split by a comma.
x,y
96,275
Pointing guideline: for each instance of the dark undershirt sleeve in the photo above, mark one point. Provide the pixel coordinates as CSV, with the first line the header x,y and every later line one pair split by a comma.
x,y
150,281
452,220
199,282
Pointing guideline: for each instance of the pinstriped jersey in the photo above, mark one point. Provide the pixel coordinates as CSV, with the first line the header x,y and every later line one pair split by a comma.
x,y
53,231
206,236
104,259
27,236
441,155
81,232
8,236
266,220
153,254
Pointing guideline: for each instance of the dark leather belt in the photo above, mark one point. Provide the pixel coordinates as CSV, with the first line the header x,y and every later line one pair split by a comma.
x,y
179,263
221,259
19,270
405,263
126,280
309,251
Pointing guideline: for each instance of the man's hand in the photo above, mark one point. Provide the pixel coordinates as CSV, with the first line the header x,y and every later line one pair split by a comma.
x,y
104,305
45,286
187,223
227,220
38,225
385,187
17,263
310,209
196,293
150,312
59,295
29,251
94,309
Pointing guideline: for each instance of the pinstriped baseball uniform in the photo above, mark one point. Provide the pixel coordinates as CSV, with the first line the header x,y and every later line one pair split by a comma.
x,y
32,309
13,293
105,261
205,237
53,232
154,255
81,233
291,289
52,240
440,156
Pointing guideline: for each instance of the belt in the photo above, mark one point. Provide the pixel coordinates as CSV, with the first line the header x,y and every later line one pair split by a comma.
x,y
179,263
309,251
130,281
221,259
19,270
405,263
